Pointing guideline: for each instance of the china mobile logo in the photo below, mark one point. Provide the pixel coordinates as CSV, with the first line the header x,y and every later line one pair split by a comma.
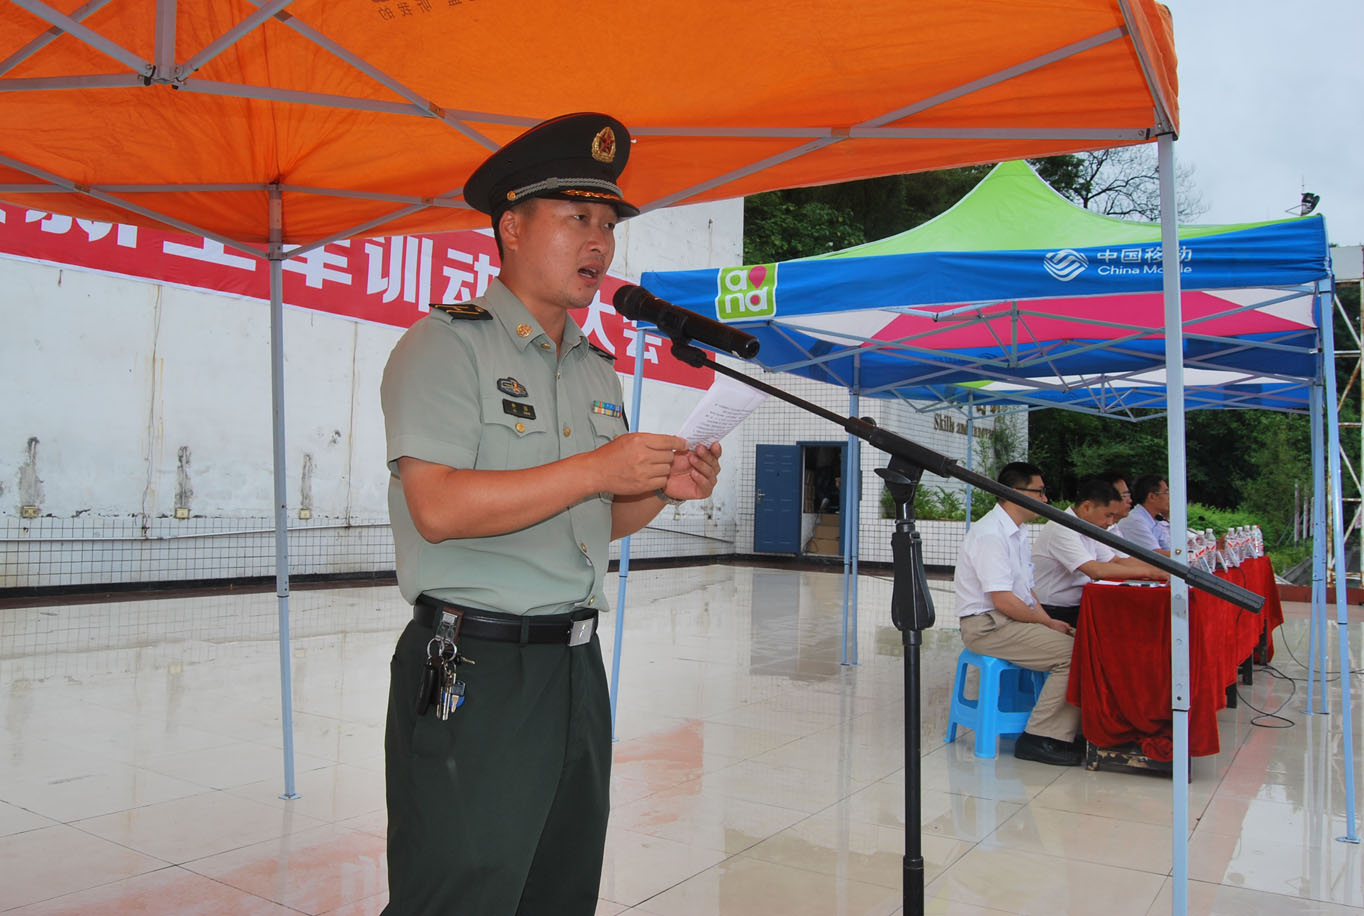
x,y
1066,264
747,292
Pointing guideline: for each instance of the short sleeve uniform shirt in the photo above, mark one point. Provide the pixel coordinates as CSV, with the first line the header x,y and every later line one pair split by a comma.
x,y
482,387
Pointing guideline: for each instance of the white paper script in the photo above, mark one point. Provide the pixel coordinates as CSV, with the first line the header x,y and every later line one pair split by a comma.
x,y
723,407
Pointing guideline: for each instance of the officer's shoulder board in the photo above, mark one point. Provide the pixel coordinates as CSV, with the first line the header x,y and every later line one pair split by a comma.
x,y
604,354
463,310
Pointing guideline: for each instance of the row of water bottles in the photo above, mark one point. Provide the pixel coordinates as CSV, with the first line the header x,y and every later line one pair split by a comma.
x,y
1240,544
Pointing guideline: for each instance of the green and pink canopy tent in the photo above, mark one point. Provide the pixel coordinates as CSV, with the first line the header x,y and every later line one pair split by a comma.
x,y
1016,295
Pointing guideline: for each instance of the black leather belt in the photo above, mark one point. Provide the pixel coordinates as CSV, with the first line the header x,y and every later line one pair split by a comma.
x,y
574,629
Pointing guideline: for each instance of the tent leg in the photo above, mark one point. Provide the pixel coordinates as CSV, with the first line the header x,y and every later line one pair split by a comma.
x,y
970,449
848,500
1328,357
854,548
286,689
623,575
1179,524
1316,645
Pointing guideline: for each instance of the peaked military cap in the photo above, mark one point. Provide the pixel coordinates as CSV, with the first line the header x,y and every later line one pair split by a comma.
x,y
571,157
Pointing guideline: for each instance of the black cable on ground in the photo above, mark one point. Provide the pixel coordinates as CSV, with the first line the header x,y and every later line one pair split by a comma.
x,y
1264,719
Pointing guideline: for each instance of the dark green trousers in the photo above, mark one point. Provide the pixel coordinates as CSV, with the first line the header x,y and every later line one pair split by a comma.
x,y
502,808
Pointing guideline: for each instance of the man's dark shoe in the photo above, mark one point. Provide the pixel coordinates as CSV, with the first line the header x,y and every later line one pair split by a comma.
x,y
1047,750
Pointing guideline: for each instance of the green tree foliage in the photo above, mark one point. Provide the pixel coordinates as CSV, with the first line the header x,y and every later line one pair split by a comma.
x,y
800,222
1006,441
779,229
1247,459
939,504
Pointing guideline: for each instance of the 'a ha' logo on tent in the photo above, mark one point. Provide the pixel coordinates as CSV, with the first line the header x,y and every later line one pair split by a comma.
x,y
1065,264
747,292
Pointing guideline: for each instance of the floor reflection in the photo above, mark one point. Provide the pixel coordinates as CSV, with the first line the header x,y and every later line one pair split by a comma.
x,y
755,773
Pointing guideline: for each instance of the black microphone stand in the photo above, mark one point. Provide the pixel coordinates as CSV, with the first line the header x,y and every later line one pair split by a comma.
x,y
911,610
911,605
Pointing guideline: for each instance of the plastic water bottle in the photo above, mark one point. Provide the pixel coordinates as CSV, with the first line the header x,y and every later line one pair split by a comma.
x,y
1216,557
1258,539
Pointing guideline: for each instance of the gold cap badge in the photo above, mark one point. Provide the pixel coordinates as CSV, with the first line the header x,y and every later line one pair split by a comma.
x,y
604,145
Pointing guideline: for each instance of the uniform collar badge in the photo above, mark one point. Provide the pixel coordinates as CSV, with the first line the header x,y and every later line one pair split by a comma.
x,y
511,386
463,310
523,330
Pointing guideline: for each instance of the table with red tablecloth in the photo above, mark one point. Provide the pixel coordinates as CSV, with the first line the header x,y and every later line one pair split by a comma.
x,y
1120,667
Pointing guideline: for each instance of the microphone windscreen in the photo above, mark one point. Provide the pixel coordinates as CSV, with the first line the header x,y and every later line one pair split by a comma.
x,y
629,301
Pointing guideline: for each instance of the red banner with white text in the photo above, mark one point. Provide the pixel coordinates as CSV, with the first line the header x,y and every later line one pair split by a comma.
x,y
389,281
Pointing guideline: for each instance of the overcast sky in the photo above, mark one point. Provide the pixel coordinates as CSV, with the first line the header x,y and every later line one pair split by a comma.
x,y
1271,98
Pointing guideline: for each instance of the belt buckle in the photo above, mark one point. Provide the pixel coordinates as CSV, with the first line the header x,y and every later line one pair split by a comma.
x,y
581,632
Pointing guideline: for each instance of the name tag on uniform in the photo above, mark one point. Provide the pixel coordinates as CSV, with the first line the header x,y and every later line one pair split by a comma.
x,y
516,409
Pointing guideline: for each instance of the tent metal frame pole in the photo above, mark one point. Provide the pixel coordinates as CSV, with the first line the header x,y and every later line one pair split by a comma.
x,y
1328,357
163,59
853,485
286,689
228,38
848,497
51,35
70,186
419,103
1316,658
87,36
88,81
970,449
1179,524
623,573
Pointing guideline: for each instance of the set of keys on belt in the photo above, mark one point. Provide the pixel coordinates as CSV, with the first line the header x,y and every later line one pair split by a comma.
x,y
439,683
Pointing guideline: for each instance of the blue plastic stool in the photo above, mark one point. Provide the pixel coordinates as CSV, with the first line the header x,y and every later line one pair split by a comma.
x,y
1005,700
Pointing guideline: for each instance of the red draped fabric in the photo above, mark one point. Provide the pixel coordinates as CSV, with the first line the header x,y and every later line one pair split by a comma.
x,y
1120,669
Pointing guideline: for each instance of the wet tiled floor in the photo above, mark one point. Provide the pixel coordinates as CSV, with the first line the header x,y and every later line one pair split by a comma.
x,y
754,773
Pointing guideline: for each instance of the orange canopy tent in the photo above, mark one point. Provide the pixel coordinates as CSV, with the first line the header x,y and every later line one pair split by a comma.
x,y
366,115
276,126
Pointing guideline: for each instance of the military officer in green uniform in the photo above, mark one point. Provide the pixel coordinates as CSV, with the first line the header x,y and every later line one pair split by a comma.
x,y
511,470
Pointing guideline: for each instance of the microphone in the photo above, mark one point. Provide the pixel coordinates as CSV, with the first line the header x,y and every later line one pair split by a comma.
x,y
638,304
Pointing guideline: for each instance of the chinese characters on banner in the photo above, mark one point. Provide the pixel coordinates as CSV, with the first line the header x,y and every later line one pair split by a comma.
x,y
389,281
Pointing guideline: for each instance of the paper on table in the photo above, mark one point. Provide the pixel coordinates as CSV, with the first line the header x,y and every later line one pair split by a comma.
x,y
722,408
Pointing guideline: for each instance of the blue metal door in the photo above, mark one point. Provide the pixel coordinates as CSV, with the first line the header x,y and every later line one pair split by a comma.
x,y
776,499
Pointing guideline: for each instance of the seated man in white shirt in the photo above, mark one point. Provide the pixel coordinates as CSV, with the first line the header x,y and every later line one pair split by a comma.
x,y
1000,615
1065,560
1151,495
